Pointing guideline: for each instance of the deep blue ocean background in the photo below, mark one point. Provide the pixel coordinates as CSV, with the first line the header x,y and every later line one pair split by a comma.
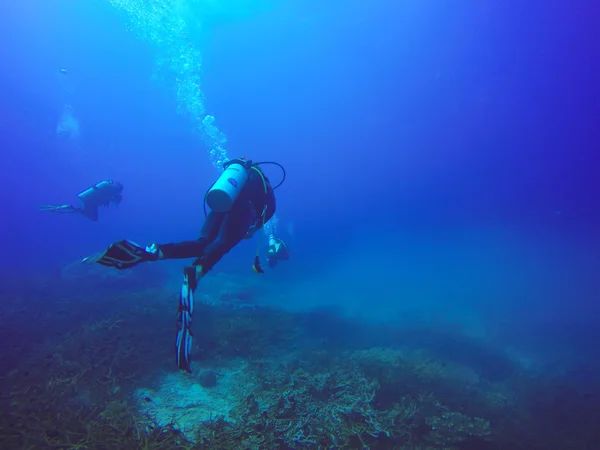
x,y
442,157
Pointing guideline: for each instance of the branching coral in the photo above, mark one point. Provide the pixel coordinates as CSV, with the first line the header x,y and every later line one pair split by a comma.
x,y
315,409
324,398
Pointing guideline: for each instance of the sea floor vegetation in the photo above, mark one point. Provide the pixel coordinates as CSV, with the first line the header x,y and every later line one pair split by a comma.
x,y
95,370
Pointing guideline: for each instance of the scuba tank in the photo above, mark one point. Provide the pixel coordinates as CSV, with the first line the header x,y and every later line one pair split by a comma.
x,y
85,195
272,241
274,245
221,196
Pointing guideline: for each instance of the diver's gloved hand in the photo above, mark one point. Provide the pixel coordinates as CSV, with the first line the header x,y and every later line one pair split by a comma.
x,y
125,254
155,250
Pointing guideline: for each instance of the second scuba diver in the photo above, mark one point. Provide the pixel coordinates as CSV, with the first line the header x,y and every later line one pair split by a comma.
x,y
101,194
277,251
241,201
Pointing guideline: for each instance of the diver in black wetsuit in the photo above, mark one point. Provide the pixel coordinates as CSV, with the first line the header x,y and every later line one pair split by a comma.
x,y
241,202
254,206
101,194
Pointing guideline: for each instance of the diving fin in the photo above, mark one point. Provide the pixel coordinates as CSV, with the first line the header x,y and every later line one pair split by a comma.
x,y
89,211
256,267
67,209
183,343
122,255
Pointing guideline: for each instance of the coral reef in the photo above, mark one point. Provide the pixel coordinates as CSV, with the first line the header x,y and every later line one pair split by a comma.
x,y
326,401
93,369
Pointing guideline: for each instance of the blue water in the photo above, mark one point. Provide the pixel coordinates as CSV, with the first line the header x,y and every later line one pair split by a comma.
x,y
442,157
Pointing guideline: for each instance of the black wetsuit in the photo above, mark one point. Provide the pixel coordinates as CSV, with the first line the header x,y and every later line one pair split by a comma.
x,y
223,231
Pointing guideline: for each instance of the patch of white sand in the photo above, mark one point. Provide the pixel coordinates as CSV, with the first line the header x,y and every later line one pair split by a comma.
x,y
181,400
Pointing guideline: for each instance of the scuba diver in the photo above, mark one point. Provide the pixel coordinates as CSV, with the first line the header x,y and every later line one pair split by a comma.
x,y
277,251
241,201
101,194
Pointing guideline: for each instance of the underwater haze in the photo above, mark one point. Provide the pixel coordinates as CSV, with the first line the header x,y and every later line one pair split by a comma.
x,y
441,205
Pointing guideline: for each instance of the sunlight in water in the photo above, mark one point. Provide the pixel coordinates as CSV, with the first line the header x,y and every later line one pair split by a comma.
x,y
163,24
166,25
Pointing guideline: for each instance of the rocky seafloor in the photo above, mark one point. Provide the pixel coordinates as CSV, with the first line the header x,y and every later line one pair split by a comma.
x,y
86,368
